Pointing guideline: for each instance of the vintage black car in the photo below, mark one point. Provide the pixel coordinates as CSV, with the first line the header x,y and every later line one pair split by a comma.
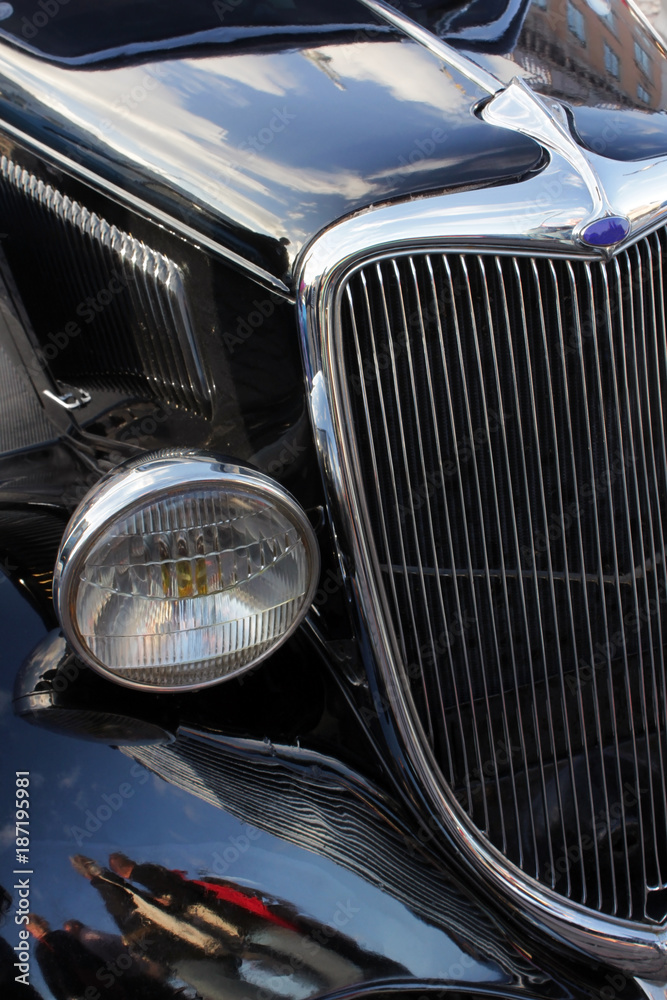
x,y
333,485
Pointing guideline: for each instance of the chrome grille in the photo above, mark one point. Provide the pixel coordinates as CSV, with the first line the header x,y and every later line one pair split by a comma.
x,y
508,416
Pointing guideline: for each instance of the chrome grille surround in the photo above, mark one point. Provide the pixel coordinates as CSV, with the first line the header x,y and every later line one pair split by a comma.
x,y
533,224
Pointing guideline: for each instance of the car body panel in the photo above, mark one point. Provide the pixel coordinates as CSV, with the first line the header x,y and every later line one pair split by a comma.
x,y
291,784
99,800
266,145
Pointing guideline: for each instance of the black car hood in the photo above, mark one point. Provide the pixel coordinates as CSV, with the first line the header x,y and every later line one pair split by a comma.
x,y
259,124
83,31
262,143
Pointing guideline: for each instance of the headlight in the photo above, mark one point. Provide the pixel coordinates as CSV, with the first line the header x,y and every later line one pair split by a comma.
x,y
178,570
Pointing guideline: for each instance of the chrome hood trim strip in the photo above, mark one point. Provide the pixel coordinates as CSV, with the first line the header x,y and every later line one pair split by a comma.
x,y
473,72
214,36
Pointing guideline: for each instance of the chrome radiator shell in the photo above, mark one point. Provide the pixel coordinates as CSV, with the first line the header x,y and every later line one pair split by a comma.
x,y
538,220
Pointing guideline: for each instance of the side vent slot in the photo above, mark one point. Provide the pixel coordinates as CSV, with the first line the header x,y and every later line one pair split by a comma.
x,y
109,312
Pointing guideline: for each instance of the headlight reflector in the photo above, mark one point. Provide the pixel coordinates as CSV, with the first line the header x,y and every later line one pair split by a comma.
x,y
177,571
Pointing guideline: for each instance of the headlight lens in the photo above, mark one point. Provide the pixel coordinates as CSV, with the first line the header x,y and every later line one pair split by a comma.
x,y
179,571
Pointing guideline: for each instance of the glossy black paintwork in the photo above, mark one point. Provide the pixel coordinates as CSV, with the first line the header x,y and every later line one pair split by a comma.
x,y
285,752
624,135
350,128
581,53
245,339
102,802
262,146
325,849
79,31
302,751
293,750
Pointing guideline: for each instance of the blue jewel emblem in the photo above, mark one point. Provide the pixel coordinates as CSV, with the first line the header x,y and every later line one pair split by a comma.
x,y
606,232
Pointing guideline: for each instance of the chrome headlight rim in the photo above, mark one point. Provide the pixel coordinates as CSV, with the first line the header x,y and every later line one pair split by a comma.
x,y
167,473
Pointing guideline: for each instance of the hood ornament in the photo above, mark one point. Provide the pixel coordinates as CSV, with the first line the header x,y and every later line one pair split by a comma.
x,y
519,108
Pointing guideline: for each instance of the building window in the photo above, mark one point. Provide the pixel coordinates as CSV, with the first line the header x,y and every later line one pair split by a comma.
x,y
611,61
643,59
575,22
610,20
643,94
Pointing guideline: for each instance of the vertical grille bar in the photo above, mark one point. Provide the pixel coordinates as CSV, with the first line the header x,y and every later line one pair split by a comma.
x,y
621,524
569,617
586,642
425,543
509,412
656,321
514,557
595,540
642,503
505,596
471,430
446,520
512,290
550,609
468,554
